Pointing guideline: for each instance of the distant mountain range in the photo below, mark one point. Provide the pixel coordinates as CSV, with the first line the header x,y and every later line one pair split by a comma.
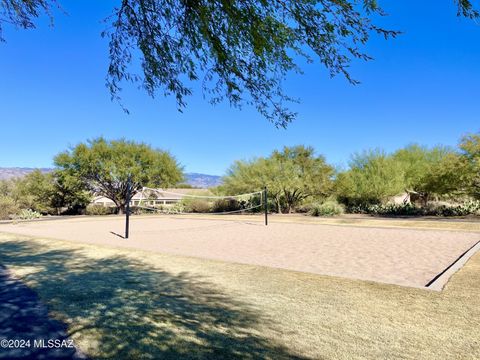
x,y
16,172
203,180
193,179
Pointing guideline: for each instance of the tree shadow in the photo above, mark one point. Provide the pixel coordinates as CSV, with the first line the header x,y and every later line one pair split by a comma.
x,y
26,326
121,308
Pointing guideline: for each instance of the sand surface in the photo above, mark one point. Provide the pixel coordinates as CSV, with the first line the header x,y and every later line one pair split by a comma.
x,y
397,256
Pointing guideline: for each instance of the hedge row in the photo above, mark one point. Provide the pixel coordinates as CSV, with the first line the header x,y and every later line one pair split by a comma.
x,y
467,208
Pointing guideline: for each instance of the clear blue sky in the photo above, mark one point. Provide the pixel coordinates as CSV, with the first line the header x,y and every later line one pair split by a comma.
x,y
422,87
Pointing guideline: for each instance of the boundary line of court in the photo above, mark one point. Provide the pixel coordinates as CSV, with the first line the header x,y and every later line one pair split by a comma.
x,y
440,280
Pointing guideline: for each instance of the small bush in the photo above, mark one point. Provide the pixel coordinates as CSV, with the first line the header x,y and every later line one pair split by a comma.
x,y
439,209
305,208
226,205
467,208
99,210
396,209
176,208
197,205
28,214
8,208
328,208
135,210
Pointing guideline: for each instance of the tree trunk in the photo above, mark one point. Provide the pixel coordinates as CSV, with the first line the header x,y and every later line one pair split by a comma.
x,y
289,208
279,206
426,198
121,209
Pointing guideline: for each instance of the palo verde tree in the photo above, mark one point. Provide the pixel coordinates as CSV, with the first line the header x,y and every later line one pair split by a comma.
x,y
373,177
105,167
240,50
470,151
430,171
292,175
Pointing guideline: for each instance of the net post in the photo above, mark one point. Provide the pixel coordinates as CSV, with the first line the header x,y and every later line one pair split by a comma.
x,y
127,210
265,204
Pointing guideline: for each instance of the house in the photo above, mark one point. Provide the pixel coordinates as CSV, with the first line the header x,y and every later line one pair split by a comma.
x,y
153,197
401,199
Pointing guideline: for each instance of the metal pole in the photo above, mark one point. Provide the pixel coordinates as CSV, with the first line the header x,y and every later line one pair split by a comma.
x,y
127,210
266,205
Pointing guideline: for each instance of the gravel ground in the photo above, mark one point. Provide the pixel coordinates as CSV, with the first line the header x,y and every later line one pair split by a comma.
x,y
408,257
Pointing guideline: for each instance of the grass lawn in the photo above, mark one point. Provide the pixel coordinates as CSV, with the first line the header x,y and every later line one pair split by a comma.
x,y
132,304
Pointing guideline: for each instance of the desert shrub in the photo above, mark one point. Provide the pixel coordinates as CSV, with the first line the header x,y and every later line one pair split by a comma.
x,y
357,209
8,208
135,210
28,214
435,209
396,209
176,208
225,205
472,207
327,208
467,208
196,205
99,210
253,204
305,208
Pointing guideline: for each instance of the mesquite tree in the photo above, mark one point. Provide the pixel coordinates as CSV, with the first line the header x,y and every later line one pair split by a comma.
x,y
239,50
105,167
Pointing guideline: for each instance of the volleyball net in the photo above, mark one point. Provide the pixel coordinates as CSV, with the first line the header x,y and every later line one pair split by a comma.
x,y
197,201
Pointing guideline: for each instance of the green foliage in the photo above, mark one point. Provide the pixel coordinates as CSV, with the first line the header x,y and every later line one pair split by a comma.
x,y
70,193
175,208
428,172
395,209
23,13
28,214
241,51
236,204
6,187
8,208
225,205
327,208
93,209
49,193
291,176
467,208
470,150
196,205
104,167
372,179
36,191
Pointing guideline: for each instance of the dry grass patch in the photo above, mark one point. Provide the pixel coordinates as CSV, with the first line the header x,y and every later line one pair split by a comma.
x,y
130,304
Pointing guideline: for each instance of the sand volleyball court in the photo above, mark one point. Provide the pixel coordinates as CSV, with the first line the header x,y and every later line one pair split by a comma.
x,y
406,257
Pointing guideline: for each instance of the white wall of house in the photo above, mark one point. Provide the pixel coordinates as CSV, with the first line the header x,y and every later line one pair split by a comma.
x,y
163,199
401,199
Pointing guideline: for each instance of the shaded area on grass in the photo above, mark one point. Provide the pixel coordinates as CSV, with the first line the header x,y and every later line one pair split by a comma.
x,y
24,318
118,307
